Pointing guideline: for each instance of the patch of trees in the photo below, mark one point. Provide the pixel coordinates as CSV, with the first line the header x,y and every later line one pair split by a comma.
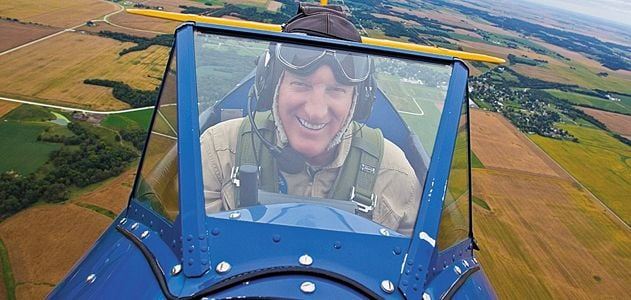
x,y
136,136
127,94
142,43
622,139
84,159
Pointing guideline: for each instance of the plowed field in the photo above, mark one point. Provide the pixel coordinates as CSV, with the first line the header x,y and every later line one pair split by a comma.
x,y
6,107
616,122
498,144
15,34
113,195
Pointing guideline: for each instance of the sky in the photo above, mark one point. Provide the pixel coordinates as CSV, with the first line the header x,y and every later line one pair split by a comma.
x,y
618,11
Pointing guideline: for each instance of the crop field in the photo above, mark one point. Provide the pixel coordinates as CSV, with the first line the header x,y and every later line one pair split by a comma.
x,y
58,13
33,248
144,23
623,106
495,142
542,236
20,149
53,71
616,122
111,195
545,238
6,107
598,161
140,118
15,34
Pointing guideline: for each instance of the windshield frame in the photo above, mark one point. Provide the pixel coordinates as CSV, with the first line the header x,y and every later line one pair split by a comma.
x,y
193,222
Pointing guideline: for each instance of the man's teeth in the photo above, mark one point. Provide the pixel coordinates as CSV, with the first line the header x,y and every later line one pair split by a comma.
x,y
311,125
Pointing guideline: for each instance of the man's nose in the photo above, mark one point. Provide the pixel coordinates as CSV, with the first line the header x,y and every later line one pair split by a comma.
x,y
316,107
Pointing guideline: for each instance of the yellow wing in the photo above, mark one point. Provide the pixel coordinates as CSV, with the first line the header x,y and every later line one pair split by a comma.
x,y
273,27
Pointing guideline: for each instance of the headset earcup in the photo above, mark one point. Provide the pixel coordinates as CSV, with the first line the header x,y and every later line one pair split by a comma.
x,y
262,81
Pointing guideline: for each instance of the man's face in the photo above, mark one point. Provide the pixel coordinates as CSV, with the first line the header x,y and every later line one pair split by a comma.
x,y
312,109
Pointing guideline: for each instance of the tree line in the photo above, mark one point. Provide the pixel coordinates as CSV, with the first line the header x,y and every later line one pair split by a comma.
x,y
142,43
127,94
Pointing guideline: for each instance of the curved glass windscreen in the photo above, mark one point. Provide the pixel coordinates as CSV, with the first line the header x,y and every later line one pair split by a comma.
x,y
314,137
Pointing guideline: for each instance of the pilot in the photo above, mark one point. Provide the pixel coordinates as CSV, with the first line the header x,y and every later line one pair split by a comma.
x,y
307,135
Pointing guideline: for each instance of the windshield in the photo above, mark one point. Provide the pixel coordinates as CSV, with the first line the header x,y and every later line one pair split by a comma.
x,y
315,137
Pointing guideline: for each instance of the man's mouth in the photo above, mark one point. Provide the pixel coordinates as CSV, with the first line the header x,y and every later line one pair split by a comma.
x,y
311,126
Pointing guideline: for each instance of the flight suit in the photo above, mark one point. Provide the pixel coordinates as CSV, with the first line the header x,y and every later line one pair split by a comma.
x,y
397,189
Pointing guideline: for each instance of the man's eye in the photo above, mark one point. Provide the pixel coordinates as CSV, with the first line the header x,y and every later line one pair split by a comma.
x,y
338,90
299,84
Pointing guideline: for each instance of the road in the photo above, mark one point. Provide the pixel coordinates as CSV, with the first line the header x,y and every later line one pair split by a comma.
x,y
75,108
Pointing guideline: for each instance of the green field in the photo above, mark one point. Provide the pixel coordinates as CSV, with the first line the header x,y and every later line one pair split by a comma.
x,y
600,162
623,106
20,149
140,118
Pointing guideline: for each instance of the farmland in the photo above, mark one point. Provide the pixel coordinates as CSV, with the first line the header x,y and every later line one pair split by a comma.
x,y
74,12
616,122
595,153
32,248
622,106
139,118
15,33
54,71
144,23
536,215
6,107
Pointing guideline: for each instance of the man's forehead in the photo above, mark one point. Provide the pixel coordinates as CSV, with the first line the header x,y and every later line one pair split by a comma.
x,y
323,73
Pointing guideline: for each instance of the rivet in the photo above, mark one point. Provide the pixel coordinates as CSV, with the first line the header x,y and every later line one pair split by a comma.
x,y
234,215
189,237
457,270
276,238
308,287
384,232
387,286
144,234
337,245
426,296
397,250
465,263
134,226
305,260
122,221
475,260
176,269
223,267
91,278
215,231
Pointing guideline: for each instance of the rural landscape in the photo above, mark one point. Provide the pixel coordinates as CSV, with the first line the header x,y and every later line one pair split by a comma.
x,y
550,130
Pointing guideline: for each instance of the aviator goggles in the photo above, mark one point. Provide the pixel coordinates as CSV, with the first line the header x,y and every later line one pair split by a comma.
x,y
354,67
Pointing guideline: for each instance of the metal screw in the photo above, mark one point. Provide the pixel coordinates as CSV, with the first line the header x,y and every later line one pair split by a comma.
x,y
387,286
426,296
308,287
91,278
384,232
465,263
223,267
134,226
457,270
475,260
234,215
144,234
176,269
122,221
305,260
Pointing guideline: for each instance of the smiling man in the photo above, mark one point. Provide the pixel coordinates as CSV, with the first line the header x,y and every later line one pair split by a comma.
x,y
308,138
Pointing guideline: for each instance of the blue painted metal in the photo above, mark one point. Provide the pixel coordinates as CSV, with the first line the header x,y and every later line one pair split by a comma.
x,y
423,246
191,192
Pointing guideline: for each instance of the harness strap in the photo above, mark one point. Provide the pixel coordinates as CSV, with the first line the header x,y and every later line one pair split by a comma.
x,y
247,143
359,172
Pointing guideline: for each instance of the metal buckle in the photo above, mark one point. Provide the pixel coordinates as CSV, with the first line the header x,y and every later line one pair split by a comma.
x,y
233,176
361,206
